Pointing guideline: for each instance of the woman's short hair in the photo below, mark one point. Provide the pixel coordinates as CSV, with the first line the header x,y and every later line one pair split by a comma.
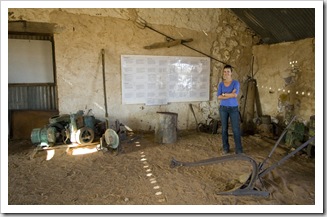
x,y
228,67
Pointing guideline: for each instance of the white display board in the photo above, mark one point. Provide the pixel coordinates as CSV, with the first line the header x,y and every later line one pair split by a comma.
x,y
30,61
157,80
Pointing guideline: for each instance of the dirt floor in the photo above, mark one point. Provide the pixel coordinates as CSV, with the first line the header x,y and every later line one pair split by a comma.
x,y
140,173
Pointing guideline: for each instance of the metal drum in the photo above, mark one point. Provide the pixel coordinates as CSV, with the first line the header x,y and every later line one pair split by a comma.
x,y
166,127
43,136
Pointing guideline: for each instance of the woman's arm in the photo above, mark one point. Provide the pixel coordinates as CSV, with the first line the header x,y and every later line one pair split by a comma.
x,y
233,94
219,92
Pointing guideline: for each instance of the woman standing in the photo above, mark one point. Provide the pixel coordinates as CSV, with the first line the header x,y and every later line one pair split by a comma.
x,y
227,94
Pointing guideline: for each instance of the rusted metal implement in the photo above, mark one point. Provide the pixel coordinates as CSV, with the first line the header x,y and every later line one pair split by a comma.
x,y
142,24
245,189
168,43
258,170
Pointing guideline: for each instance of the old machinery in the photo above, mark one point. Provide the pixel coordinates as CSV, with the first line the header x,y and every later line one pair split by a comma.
x,y
84,135
73,128
44,136
258,169
109,140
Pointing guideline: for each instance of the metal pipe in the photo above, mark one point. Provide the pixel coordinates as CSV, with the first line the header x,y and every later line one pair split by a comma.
x,y
104,88
264,172
277,143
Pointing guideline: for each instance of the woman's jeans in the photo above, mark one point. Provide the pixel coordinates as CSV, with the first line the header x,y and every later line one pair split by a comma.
x,y
232,113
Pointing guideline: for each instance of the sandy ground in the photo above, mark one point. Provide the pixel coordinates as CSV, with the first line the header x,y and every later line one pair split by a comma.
x,y
140,174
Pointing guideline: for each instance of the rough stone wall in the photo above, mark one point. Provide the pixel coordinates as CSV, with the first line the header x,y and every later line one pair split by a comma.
x,y
81,34
233,45
285,75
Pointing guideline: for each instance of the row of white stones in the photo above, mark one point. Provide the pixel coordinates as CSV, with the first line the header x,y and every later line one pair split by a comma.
x,y
149,174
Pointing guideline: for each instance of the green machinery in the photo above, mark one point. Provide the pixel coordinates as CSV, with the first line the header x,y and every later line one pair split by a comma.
x,y
73,128
299,132
79,129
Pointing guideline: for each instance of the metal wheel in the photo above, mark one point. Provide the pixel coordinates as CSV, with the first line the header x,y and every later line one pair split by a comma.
x,y
111,138
84,135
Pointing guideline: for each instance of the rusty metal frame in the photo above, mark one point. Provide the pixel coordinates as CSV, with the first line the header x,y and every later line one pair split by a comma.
x,y
258,171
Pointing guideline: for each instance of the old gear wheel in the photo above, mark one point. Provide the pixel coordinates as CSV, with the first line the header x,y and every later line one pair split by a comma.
x,y
84,135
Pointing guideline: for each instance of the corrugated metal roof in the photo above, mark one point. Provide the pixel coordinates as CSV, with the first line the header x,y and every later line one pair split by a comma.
x,y
276,25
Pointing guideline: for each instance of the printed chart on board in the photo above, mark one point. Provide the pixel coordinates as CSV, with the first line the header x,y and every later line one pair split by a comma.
x,y
158,80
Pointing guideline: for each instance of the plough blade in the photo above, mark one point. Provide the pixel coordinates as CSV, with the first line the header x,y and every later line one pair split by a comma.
x,y
258,170
245,189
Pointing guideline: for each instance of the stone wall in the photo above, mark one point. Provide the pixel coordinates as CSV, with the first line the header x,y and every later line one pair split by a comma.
x,y
81,34
285,75
233,45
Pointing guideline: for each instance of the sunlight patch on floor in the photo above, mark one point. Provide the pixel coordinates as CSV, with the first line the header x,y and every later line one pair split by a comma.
x,y
149,174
